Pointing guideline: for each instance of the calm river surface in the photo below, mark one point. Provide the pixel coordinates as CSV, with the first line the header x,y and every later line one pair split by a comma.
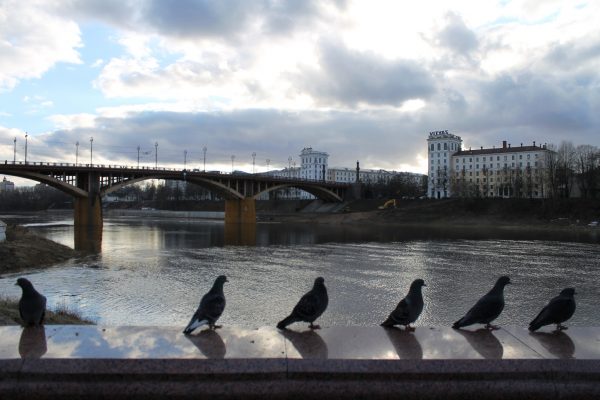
x,y
153,272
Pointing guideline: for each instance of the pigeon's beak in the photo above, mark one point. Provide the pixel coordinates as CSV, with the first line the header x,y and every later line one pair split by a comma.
x,y
425,285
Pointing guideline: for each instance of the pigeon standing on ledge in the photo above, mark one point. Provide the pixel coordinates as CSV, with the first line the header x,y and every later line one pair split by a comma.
x,y
409,308
310,307
32,306
560,309
211,307
487,309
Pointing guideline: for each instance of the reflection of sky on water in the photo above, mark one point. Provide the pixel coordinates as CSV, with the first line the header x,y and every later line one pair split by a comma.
x,y
153,272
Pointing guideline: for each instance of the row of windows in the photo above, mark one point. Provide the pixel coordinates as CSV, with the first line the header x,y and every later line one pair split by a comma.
x,y
491,158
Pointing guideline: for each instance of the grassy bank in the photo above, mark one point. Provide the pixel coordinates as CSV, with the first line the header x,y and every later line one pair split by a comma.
x,y
9,314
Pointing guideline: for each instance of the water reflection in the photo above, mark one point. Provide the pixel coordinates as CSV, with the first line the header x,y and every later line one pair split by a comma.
x,y
87,240
484,342
209,342
405,343
32,343
240,234
557,343
309,344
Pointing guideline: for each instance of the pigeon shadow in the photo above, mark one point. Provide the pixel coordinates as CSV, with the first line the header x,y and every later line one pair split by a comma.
x,y
32,343
405,343
483,342
209,342
557,343
308,343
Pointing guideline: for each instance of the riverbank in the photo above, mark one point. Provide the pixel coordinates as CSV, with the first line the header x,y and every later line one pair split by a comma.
x,y
9,315
24,250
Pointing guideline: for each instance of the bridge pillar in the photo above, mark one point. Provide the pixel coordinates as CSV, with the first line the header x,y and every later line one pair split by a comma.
x,y
240,211
87,218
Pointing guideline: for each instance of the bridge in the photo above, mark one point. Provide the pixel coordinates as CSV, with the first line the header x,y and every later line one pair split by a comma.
x,y
87,183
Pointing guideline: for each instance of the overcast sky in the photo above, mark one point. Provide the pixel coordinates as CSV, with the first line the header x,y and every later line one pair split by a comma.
x,y
361,80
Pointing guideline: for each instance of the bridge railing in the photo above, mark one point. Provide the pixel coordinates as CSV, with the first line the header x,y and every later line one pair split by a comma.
x,y
163,169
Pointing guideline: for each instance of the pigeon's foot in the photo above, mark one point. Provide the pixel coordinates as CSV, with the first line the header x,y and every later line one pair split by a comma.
x,y
312,326
217,327
491,327
409,328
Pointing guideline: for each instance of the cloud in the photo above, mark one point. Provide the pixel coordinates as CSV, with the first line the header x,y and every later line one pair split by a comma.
x,y
457,37
32,40
350,78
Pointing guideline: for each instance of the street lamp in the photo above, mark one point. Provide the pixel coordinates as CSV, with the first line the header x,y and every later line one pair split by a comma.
x,y
204,151
76,153
138,149
26,147
156,155
91,150
232,158
15,151
184,159
253,160
268,162
290,167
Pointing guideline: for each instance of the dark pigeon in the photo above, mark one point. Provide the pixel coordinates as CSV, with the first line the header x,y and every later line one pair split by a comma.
x,y
211,307
409,308
487,309
559,310
32,306
310,307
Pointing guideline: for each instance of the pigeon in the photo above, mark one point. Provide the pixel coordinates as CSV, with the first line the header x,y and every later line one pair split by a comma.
x,y
487,309
409,308
558,310
310,307
32,305
211,307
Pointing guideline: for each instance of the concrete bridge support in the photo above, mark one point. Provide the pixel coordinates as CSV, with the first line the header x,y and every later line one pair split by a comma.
x,y
240,211
87,218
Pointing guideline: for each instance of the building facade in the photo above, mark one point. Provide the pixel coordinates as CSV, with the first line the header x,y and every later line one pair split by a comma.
x,y
6,185
486,172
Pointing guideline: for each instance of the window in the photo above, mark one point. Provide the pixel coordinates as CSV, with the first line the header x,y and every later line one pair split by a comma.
x,y
470,159
505,158
497,158
483,158
432,147
477,159
439,146
445,146
513,156
528,156
520,156
477,166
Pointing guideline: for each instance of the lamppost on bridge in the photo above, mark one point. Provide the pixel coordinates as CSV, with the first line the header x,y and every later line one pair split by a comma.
x,y
204,151
26,147
290,167
91,150
232,158
253,160
184,159
15,151
268,162
138,149
156,155
76,153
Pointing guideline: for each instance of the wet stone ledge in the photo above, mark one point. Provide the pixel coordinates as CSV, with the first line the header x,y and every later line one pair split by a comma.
x,y
335,362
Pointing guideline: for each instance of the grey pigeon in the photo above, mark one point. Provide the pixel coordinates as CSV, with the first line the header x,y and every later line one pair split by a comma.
x,y
487,309
32,305
409,308
211,307
310,307
558,310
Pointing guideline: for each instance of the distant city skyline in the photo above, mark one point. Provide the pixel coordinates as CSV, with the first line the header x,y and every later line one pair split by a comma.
x,y
361,80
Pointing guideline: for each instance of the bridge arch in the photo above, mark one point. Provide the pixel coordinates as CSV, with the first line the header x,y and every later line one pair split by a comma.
x,y
50,181
319,192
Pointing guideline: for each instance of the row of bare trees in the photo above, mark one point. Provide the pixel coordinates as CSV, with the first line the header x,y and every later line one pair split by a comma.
x,y
574,171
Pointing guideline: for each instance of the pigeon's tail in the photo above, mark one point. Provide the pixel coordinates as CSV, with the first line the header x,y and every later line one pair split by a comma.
x,y
534,325
194,323
460,323
389,322
286,321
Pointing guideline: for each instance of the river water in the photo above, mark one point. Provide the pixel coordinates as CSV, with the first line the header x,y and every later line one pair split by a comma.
x,y
153,272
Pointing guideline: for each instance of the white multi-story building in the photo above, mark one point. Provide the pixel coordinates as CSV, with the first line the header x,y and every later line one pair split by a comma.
x,y
6,185
313,164
492,172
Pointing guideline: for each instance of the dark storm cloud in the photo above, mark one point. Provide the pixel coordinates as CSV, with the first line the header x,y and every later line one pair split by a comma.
x,y
351,77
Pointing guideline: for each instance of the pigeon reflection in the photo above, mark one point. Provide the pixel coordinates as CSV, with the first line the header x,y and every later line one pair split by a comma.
x,y
484,342
405,343
209,343
557,343
308,343
32,343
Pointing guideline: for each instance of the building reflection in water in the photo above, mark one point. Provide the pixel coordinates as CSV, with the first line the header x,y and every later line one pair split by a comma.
x,y
209,342
557,343
32,343
405,343
483,342
309,344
